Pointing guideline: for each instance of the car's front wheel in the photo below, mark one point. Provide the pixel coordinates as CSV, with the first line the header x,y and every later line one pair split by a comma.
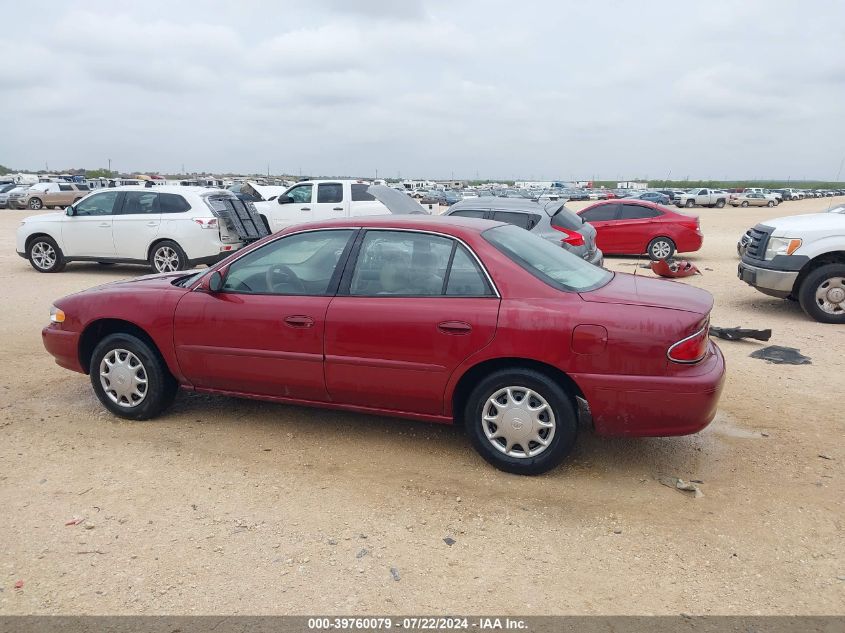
x,y
660,248
690,204
770,204
521,421
35,204
130,378
822,294
744,203
168,257
45,256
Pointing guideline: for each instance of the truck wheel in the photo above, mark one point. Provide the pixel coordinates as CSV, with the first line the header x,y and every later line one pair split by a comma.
x,y
690,204
45,256
822,294
660,248
744,203
720,204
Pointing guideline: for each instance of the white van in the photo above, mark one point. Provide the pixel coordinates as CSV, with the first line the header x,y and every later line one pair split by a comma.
x,y
314,200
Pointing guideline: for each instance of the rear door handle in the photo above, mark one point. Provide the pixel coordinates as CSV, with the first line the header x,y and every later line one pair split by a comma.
x,y
337,208
305,209
152,223
299,321
454,327
105,225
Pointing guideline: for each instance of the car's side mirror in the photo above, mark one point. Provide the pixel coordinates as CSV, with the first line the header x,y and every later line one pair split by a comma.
x,y
215,282
271,198
69,212
285,200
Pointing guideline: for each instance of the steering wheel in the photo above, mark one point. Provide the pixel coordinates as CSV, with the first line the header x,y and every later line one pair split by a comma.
x,y
280,274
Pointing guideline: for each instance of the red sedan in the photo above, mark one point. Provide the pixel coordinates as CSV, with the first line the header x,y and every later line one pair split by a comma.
x,y
634,227
438,319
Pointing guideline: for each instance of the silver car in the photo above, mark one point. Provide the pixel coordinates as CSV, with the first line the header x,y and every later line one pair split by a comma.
x,y
550,220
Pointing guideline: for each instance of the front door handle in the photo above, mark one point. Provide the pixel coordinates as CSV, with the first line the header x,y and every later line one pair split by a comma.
x,y
305,209
104,225
152,223
337,208
299,321
454,327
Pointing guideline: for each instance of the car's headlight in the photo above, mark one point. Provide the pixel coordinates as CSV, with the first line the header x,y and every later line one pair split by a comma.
x,y
56,315
781,246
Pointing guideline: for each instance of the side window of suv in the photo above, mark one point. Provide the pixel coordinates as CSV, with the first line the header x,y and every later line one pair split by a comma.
x,y
140,202
97,204
469,213
65,188
330,192
300,194
171,202
522,220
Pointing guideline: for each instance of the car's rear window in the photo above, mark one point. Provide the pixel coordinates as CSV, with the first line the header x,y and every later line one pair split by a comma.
x,y
547,261
566,219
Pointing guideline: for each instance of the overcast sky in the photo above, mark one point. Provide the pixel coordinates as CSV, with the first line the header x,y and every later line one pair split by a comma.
x,y
428,88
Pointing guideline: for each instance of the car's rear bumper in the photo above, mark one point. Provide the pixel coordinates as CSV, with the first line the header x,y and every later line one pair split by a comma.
x,y
64,347
654,406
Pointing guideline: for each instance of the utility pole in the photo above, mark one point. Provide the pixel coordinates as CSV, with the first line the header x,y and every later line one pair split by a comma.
x,y
376,173
109,166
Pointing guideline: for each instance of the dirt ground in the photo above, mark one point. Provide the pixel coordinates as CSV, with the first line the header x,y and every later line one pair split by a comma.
x,y
231,506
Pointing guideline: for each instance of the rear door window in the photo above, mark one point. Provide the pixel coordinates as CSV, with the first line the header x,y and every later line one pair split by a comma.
x,y
465,277
469,213
522,220
637,212
140,203
360,193
172,203
330,192
65,188
601,213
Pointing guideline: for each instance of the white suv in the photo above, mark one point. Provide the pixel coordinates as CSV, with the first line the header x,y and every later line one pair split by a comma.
x,y
167,228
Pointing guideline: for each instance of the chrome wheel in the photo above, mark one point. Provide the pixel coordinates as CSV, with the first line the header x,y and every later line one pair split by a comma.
x,y
35,204
124,378
661,249
830,295
166,260
518,422
43,255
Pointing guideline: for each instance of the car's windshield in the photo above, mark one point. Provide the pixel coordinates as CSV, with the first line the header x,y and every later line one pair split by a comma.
x,y
547,261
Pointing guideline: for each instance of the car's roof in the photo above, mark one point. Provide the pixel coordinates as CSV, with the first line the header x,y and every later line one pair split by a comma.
x,y
180,189
636,201
423,222
519,205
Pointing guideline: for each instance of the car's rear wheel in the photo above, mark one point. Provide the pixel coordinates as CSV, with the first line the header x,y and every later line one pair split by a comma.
x,y
35,204
130,378
45,256
720,204
167,257
521,421
660,248
822,294
744,203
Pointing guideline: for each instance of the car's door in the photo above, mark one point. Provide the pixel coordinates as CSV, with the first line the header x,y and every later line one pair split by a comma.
x,y
603,217
263,332
294,207
634,228
64,197
136,224
411,307
88,232
329,201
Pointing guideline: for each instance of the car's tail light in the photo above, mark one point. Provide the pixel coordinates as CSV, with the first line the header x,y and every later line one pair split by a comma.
x,y
207,223
573,238
692,348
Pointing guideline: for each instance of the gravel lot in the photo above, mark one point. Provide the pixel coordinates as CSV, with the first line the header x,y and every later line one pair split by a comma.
x,y
231,506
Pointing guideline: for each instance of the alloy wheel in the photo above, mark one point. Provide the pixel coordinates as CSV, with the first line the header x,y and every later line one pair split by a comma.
x,y
43,255
123,378
661,249
518,422
166,260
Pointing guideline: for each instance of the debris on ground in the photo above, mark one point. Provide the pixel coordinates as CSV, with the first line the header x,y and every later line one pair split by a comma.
x,y
674,268
75,521
449,541
19,584
781,355
395,573
737,333
687,487
364,551
823,456
617,531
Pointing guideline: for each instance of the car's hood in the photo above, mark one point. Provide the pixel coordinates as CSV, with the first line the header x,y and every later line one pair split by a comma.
x,y
809,222
396,202
45,217
627,289
157,281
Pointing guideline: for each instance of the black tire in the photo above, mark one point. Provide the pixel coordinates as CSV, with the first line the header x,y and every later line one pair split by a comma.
x,y
39,251
160,388
720,204
770,204
565,419
690,204
35,204
660,244
166,248
814,282
744,203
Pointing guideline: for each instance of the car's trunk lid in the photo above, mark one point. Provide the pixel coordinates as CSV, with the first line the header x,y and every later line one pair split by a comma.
x,y
627,289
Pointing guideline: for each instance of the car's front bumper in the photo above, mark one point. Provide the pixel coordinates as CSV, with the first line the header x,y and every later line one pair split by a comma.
x,y
656,406
775,277
63,346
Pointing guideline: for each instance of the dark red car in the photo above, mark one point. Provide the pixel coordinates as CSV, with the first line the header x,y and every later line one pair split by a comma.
x,y
437,319
634,227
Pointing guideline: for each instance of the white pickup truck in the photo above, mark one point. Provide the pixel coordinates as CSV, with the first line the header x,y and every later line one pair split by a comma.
x,y
703,198
800,257
316,200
